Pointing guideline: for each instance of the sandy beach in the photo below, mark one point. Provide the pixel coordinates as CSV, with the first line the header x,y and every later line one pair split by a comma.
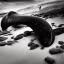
x,y
19,52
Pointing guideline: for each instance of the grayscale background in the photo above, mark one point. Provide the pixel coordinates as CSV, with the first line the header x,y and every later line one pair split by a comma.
x,y
19,52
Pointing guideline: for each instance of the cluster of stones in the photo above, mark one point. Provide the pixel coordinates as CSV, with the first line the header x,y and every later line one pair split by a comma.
x,y
5,34
58,50
52,14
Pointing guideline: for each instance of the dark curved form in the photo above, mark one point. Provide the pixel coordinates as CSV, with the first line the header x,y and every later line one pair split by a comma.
x,y
42,29
58,31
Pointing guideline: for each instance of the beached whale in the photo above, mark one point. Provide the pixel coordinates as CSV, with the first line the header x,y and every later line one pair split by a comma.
x,y
42,29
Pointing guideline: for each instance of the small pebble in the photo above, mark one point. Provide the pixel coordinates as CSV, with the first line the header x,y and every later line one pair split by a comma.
x,y
18,37
3,38
30,43
55,51
61,42
10,42
49,60
27,33
5,32
32,40
2,43
42,48
57,46
9,34
34,46
60,25
12,37
62,46
53,24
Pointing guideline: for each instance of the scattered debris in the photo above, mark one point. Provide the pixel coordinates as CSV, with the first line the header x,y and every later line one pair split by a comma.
x,y
34,46
62,46
42,48
28,33
5,32
18,37
60,25
30,43
57,46
55,51
49,60
6,35
61,42
53,24
2,43
3,38
12,37
10,42
32,40
9,34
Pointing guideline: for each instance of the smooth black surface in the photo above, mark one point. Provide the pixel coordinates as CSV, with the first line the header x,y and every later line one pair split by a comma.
x,y
42,29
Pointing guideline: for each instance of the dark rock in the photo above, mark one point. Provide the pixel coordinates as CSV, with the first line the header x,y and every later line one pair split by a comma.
x,y
42,48
61,42
10,34
55,51
32,40
49,60
12,37
18,37
62,46
3,38
60,25
27,33
5,32
58,31
30,43
53,24
10,42
2,43
57,46
34,46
